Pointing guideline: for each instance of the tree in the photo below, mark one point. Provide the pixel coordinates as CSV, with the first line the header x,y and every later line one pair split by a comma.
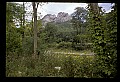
x,y
104,38
94,7
51,31
13,37
14,13
78,18
23,24
35,5
111,40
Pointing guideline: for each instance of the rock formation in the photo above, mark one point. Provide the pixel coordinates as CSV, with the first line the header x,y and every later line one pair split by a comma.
x,y
61,17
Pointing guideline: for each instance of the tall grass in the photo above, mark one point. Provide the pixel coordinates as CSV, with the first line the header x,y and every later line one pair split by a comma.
x,y
44,65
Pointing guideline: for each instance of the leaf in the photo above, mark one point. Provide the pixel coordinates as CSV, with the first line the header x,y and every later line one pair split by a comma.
x,y
109,72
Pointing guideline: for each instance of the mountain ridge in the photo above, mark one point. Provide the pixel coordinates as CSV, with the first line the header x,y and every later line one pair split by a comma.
x,y
61,17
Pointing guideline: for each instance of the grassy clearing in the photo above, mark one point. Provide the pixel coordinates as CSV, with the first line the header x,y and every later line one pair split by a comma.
x,y
44,66
70,51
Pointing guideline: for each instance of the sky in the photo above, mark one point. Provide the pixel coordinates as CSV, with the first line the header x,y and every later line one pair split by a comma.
x,y
55,7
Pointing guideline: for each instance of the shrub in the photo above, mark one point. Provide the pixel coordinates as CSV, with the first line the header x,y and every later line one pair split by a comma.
x,y
64,45
28,45
69,66
81,46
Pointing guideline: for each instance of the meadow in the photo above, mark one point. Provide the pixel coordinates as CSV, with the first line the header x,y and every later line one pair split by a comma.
x,y
70,65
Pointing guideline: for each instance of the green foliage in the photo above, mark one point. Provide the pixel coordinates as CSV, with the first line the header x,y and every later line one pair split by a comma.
x,y
65,26
80,42
102,31
14,14
103,44
64,45
78,18
80,23
13,40
69,66
64,32
42,45
81,38
51,31
26,66
28,45
14,11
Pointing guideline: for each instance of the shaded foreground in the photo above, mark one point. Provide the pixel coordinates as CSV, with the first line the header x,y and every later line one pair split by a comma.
x,y
46,66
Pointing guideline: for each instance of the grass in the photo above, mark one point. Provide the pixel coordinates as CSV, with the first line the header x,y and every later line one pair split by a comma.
x,y
70,51
71,66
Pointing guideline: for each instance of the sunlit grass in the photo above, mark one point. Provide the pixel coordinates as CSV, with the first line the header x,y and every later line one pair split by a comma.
x,y
70,51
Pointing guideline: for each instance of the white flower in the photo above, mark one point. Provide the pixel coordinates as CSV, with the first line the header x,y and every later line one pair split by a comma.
x,y
109,57
19,72
58,68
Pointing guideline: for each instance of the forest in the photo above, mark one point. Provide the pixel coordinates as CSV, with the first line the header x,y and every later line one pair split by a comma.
x,y
84,47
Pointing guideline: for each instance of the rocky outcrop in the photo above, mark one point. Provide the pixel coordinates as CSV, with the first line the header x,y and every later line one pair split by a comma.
x,y
61,17
48,18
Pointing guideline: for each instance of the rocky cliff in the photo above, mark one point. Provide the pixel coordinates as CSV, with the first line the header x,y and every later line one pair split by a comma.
x,y
61,17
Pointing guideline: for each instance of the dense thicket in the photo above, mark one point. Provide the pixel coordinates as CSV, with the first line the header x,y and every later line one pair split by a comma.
x,y
104,37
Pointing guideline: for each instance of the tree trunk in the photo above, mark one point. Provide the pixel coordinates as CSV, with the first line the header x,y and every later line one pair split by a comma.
x,y
94,7
23,14
23,26
35,28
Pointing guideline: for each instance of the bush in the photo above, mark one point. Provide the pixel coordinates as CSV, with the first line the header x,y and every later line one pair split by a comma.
x,y
81,46
28,45
64,45
51,45
13,41
80,42
71,66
